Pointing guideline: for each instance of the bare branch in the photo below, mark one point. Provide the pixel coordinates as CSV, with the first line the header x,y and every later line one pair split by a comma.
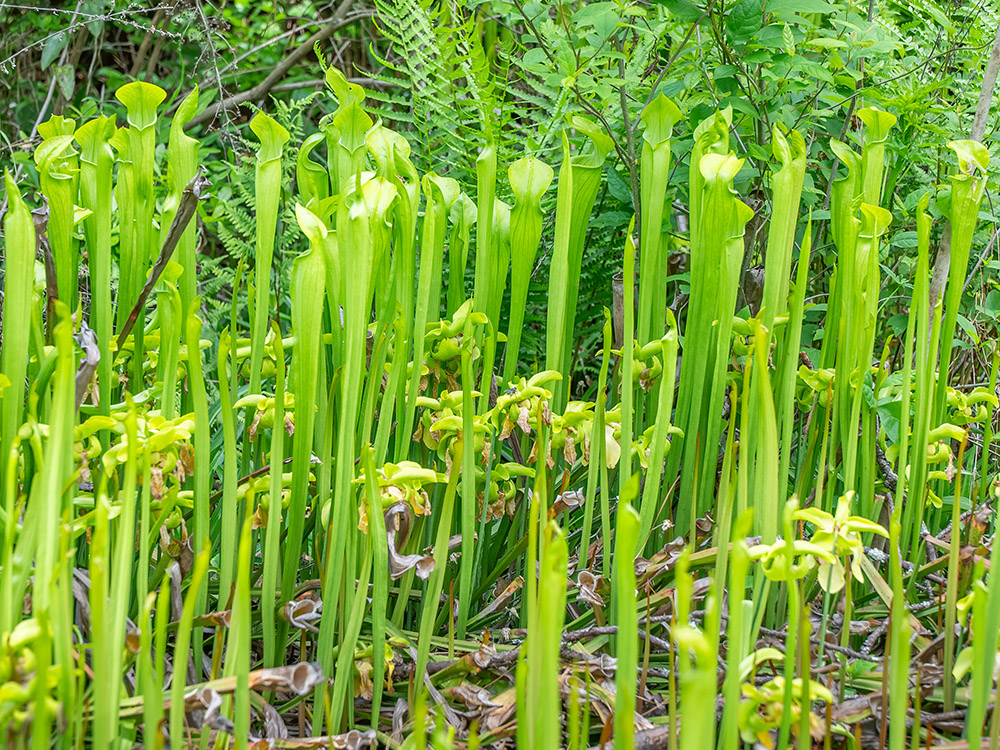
x,y
339,20
193,193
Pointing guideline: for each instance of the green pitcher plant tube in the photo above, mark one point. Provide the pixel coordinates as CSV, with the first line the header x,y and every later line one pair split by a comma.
x,y
441,193
858,305
551,614
182,165
659,118
227,559
718,256
711,136
486,186
346,131
273,510
967,187
311,177
19,284
267,181
307,293
96,165
202,464
877,125
927,325
124,194
579,181
651,491
626,546
363,236
58,167
499,265
141,100
463,216
529,179
786,186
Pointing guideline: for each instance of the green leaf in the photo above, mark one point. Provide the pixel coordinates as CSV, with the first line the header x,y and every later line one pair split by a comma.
x,y
745,18
603,17
827,43
65,80
991,305
962,664
619,189
969,327
788,41
53,47
682,10
799,6
812,68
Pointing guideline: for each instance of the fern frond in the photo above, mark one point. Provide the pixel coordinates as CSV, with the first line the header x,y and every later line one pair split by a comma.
x,y
436,55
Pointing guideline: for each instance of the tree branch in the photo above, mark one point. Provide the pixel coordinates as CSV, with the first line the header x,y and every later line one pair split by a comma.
x,y
986,92
338,21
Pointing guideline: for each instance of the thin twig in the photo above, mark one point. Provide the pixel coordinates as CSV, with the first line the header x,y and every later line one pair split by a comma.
x,y
193,193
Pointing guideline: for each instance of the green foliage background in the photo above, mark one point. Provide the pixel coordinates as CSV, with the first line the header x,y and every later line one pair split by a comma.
x,y
435,67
